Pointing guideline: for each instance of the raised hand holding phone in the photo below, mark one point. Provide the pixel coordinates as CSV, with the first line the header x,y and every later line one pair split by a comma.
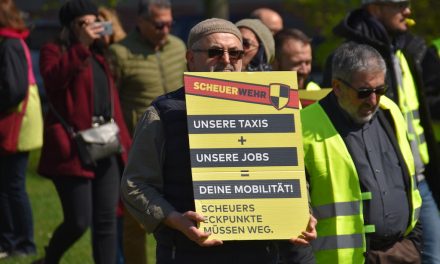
x,y
105,28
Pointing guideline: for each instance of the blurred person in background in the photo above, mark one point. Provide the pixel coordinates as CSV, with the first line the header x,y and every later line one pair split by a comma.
x,y
293,52
82,94
270,18
258,45
148,63
21,130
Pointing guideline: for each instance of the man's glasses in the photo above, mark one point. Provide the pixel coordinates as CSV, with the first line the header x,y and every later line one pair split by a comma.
x,y
364,92
399,5
161,25
217,53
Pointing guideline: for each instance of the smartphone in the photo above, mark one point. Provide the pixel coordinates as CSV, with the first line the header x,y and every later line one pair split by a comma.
x,y
108,27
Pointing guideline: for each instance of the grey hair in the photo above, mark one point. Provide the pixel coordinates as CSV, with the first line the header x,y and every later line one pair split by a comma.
x,y
351,58
144,6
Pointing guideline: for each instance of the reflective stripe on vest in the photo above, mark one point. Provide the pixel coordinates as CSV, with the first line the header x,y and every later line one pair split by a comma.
x,y
338,242
417,213
340,209
409,105
335,191
337,209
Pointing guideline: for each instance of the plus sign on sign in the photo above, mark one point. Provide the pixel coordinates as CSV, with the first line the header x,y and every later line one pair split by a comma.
x,y
246,154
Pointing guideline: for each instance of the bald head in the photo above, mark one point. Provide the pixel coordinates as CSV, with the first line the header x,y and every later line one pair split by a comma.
x,y
270,18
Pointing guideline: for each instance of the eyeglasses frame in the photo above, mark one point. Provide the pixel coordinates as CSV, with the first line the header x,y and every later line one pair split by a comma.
x,y
219,52
364,92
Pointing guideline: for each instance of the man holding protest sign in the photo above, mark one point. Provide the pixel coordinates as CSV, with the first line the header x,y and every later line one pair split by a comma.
x,y
157,184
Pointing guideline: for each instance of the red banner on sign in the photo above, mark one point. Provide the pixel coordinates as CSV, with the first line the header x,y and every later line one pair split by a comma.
x,y
239,91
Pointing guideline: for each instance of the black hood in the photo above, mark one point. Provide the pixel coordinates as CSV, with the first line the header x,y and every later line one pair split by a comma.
x,y
259,61
361,27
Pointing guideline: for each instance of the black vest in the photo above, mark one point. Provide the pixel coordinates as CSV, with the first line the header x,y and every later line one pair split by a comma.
x,y
177,184
177,165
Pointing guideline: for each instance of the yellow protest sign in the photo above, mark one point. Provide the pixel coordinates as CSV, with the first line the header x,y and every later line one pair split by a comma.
x,y
246,154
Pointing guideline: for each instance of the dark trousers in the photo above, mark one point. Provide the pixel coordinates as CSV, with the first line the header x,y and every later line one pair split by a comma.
x,y
402,252
295,254
243,252
88,202
16,225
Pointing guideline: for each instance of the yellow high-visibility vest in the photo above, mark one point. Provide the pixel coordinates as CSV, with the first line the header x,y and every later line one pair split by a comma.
x,y
409,105
335,190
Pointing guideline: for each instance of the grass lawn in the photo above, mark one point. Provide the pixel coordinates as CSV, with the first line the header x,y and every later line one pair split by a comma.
x,y
47,215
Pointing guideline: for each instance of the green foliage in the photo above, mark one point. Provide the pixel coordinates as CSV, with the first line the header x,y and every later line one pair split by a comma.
x,y
51,5
425,13
322,16
112,3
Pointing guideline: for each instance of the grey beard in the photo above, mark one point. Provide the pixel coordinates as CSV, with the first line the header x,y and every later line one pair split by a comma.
x,y
355,118
221,68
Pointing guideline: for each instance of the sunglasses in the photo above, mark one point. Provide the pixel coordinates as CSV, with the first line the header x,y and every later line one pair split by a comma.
x,y
400,5
217,53
247,43
161,25
364,92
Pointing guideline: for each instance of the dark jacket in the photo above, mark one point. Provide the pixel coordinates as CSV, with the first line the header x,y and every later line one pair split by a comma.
x,y
68,81
431,79
13,64
21,121
177,179
361,27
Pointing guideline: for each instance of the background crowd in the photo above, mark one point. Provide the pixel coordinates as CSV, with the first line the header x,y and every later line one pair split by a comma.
x,y
92,78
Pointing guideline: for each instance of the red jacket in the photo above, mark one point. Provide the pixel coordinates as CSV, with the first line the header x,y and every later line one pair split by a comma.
x,y
68,82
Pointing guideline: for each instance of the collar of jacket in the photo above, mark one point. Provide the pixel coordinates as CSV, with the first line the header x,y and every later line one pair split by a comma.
x,y
13,33
138,36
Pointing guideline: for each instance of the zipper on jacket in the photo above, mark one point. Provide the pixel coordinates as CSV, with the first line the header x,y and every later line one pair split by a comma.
x,y
162,72
173,253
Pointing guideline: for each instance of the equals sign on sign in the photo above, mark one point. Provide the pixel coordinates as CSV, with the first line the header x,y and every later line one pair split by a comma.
x,y
244,173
